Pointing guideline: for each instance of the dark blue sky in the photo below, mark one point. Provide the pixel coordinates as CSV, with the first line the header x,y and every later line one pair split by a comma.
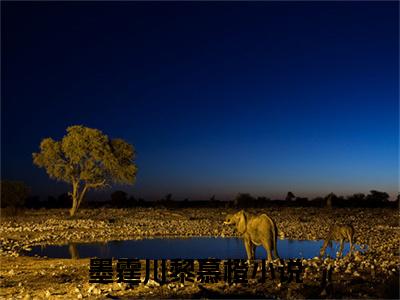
x,y
217,98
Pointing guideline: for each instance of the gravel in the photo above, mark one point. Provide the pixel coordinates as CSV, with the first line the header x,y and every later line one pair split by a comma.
x,y
362,275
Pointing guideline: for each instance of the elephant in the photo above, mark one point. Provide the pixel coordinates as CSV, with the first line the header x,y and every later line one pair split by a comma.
x,y
338,233
255,231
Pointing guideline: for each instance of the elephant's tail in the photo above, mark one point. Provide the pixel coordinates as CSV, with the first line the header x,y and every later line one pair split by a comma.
x,y
275,240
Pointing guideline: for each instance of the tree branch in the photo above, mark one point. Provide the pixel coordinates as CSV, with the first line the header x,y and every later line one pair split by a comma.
x,y
96,185
82,194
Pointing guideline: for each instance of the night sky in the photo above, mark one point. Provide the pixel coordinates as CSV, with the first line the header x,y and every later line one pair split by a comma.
x,y
217,98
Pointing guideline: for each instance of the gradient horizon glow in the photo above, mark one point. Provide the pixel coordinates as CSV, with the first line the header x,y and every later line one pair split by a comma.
x,y
217,98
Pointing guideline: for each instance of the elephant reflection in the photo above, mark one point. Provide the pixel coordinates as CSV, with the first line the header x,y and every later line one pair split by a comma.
x,y
255,231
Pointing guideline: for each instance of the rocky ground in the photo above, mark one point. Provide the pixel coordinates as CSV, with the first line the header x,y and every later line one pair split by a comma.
x,y
372,274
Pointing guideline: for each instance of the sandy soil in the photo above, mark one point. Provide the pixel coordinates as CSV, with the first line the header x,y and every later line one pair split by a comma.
x,y
373,274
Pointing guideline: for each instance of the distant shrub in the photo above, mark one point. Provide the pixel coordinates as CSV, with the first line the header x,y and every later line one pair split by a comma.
x,y
244,200
13,195
376,198
33,202
119,199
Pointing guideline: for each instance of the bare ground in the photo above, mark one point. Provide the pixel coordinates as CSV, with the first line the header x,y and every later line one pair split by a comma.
x,y
373,274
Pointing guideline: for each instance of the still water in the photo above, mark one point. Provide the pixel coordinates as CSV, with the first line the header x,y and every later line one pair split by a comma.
x,y
189,248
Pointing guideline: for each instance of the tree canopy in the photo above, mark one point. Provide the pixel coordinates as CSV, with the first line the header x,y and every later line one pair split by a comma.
x,y
87,159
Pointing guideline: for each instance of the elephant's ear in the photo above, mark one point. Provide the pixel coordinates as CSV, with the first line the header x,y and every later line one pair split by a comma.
x,y
242,224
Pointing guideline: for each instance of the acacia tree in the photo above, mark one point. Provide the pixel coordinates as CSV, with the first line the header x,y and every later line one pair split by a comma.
x,y
87,159
290,196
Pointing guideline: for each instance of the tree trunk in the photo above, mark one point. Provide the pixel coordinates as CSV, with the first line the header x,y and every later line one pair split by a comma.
x,y
75,198
74,208
73,251
80,198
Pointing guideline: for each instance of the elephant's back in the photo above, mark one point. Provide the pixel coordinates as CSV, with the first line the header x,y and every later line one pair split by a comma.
x,y
262,222
268,219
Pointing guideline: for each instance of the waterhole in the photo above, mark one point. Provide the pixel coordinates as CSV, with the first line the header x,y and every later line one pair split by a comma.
x,y
185,248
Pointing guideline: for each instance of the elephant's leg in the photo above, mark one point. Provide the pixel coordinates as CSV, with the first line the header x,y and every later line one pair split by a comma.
x,y
323,248
276,249
267,247
248,246
341,247
351,244
253,252
251,259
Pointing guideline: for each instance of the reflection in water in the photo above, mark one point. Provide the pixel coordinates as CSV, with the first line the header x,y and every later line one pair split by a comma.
x,y
73,251
190,248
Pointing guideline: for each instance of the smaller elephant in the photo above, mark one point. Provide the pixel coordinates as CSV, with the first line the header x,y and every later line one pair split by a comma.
x,y
255,231
338,233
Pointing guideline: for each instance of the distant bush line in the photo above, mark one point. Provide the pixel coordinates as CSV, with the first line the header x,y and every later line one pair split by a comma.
x,y
15,196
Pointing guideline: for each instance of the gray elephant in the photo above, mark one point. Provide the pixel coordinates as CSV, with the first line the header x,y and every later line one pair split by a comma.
x,y
255,231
